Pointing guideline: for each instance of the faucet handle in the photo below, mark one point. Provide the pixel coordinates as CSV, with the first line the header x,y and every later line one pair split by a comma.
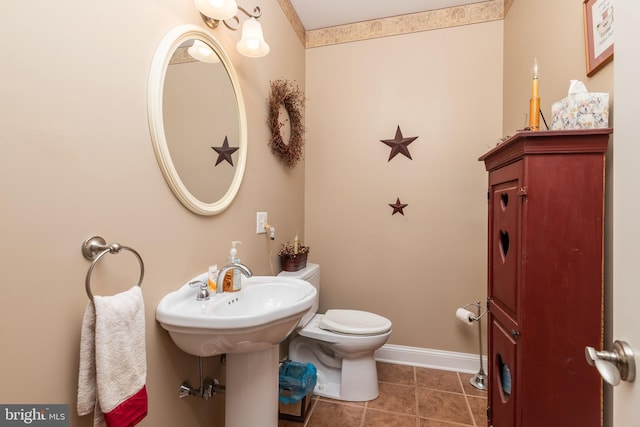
x,y
203,294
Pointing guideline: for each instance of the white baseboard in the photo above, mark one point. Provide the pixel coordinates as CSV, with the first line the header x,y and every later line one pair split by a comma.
x,y
428,358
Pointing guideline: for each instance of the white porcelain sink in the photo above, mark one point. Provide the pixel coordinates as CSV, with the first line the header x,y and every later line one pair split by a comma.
x,y
262,314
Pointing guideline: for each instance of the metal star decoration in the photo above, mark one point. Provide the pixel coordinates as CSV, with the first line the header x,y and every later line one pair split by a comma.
x,y
399,144
398,207
225,152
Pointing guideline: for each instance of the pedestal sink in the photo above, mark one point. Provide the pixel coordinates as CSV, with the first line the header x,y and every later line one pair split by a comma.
x,y
247,325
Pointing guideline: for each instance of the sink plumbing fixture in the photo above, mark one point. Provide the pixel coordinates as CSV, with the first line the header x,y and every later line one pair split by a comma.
x,y
203,293
208,386
223,271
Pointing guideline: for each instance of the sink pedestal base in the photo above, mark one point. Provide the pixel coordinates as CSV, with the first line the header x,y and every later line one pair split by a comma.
x,y
252,389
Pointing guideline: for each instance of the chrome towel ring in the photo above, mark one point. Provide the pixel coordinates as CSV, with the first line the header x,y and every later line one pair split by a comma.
x,y
94,248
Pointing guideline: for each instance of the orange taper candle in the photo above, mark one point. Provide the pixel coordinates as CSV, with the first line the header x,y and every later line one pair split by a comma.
x,y
534,102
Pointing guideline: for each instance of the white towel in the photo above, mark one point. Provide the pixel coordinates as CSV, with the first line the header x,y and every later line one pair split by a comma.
x,y
113,362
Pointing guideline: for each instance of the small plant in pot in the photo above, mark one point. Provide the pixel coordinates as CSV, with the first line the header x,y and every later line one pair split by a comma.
x,y
293,256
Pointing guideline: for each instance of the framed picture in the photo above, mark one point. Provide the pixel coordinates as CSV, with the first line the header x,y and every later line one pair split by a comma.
x,y
598,33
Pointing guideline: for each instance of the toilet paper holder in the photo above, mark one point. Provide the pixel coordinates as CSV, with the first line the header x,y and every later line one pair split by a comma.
x,y
479,380
478,306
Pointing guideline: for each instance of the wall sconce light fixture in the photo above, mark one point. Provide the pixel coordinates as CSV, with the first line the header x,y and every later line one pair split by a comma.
x,y
252,42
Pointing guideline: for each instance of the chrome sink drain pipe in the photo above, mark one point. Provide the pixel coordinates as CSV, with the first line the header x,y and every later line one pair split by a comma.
x,y
208,386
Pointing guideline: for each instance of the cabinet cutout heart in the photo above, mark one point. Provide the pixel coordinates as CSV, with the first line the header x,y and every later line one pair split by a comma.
x,y
505,201
504,244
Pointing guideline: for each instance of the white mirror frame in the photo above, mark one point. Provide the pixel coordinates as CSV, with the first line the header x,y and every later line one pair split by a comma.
x,y
170,42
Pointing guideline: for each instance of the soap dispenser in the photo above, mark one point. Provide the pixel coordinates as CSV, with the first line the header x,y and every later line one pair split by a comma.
x,y
231,281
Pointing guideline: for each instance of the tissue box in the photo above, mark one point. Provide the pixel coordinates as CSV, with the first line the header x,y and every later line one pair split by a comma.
x,y
581,111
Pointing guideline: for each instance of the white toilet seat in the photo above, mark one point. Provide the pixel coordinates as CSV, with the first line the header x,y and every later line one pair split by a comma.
x,y
313,330
354,322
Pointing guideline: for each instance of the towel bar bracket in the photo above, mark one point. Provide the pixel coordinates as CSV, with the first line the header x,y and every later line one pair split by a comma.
x,y
94,245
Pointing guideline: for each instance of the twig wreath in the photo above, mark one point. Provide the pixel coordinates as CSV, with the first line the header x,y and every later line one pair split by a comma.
x,y
284,93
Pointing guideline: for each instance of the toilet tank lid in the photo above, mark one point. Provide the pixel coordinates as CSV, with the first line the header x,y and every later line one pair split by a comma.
x,y
354,322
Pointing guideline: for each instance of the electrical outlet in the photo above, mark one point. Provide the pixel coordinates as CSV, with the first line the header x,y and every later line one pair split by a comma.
x,y
261,221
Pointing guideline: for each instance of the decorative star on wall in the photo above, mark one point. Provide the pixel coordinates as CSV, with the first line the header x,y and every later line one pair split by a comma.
x,y
399,144
225,152
398,207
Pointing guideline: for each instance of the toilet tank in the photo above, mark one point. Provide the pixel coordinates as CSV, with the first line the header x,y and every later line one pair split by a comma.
x,y
311,274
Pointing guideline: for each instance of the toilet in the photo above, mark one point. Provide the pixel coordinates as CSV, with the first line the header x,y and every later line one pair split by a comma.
x,y
340,344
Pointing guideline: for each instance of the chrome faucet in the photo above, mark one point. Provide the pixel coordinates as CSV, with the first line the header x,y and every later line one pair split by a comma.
x,y
223,271
203,293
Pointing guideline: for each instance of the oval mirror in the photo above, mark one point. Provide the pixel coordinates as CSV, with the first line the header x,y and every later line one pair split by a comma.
x,y
197,120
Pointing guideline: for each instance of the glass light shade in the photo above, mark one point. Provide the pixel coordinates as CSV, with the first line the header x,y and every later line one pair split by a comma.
x,y
217,9
202,52
252,43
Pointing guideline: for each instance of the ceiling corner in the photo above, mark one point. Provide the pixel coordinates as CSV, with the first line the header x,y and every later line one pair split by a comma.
x,y
294,19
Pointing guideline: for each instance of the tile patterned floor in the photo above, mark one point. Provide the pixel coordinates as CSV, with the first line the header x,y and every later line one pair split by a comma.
x,y
409,397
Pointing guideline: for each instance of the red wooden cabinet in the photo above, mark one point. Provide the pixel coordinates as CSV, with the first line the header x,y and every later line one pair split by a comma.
x,y
545,277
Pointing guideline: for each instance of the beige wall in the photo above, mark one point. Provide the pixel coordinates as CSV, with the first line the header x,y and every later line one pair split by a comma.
x,y
445,87
77,160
